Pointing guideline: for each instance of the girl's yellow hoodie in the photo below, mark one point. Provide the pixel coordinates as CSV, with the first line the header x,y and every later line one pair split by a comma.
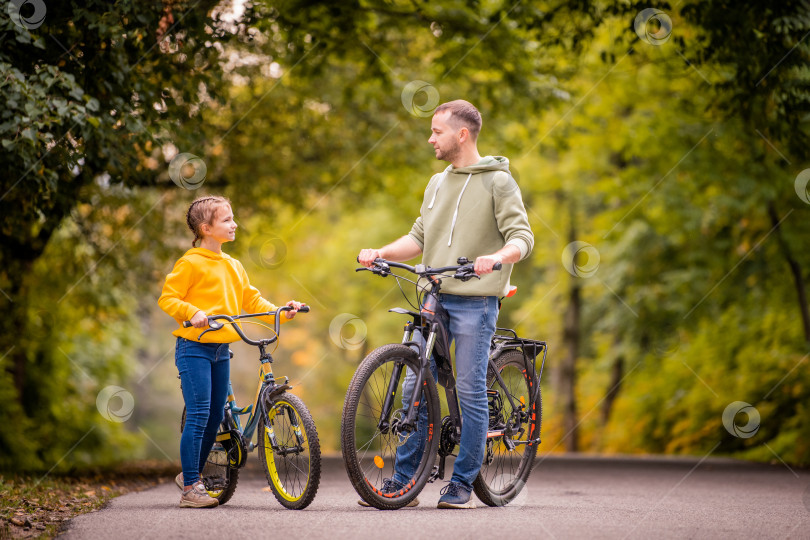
x,y
215,283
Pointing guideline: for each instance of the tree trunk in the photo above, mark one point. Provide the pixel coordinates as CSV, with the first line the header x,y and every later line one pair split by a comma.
x,y
795,269
616,374
568,373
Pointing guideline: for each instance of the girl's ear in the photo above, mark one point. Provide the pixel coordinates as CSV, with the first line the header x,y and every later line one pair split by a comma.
x,y
205,228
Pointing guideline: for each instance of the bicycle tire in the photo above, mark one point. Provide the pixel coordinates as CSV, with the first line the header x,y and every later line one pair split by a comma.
x,y
369,454
504,472
218,478
293,477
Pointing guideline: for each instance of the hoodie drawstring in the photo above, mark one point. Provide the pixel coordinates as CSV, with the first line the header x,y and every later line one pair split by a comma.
x,y
438,185
455,214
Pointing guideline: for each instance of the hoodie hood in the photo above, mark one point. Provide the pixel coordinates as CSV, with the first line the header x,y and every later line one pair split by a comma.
x,y
487,163
207,253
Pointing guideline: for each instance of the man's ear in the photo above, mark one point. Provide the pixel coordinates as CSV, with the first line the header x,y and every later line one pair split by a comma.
x,y
463,134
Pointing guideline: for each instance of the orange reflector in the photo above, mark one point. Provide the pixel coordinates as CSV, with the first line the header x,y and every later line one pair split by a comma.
x,y
378,461
512,291
522,400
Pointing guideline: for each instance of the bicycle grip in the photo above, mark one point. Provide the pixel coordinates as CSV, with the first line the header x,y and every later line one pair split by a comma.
x,y
497,266
304,309
187,324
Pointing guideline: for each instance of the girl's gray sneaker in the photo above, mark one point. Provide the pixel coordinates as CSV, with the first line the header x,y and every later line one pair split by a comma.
x,y
197,497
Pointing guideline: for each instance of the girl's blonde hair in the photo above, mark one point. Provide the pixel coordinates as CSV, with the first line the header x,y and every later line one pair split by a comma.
x,y
203,210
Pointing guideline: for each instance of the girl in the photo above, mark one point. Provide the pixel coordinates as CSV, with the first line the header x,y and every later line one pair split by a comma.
x,y
206,281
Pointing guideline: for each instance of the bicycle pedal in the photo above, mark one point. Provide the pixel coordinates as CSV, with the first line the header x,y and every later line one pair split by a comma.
x,y
434,474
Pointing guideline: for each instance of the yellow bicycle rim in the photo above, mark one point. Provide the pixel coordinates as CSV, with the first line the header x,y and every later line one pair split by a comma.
x,y
270,458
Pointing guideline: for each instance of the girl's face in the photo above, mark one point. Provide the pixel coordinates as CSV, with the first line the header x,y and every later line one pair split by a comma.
x,y
222,228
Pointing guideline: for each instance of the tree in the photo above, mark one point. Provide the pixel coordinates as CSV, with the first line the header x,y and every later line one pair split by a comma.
x,y
90,93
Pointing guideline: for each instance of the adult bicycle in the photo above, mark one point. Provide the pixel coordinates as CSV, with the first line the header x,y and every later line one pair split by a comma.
x,y
286,436
378,418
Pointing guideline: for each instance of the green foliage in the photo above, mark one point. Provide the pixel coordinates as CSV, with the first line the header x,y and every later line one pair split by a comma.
x,y
671,160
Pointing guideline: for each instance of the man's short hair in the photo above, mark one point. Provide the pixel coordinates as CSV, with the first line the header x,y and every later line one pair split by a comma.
x,y
464,114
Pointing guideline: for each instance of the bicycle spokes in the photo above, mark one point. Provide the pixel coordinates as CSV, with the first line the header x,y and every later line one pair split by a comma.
x,y
290,451
513,420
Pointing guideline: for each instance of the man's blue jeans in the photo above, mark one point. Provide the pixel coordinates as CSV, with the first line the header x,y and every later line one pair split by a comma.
x,y
472,325
204,374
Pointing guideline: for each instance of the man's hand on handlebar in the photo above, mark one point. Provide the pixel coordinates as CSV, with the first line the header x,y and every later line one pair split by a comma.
x,y
367,257
199,320
485,264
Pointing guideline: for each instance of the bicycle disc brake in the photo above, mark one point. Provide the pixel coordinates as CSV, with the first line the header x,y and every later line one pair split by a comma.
x,y
397,420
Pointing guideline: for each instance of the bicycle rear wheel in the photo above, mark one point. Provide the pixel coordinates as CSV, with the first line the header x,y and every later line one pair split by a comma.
x,y
370,446
508,458
290,451
218,477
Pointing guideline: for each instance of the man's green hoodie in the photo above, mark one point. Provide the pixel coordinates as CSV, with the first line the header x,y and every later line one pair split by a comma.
x,y
469,212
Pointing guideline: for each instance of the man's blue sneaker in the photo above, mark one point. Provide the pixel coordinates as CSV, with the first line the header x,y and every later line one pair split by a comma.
x,y
454,495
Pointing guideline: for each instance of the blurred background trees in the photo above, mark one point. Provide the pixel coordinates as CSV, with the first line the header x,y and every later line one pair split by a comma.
x,y
667,140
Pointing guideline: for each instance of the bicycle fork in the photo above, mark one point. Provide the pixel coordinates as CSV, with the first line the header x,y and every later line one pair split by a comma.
x,y
407,424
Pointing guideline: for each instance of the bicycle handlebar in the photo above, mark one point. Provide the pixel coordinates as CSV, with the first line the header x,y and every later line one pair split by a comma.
x,y
464,270
213,325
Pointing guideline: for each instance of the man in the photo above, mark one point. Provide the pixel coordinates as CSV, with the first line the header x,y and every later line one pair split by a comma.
x,y
472,209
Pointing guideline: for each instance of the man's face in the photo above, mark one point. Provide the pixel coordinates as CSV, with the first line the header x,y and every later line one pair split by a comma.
x,y
444,137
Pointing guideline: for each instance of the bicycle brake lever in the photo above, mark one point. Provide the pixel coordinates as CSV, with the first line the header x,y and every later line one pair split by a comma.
x,y
212,326
466,274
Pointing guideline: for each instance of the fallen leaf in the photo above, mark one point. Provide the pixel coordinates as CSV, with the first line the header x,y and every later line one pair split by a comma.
x,y
267,489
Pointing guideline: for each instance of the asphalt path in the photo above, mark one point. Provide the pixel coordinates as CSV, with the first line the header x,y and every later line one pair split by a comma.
x,y
566,497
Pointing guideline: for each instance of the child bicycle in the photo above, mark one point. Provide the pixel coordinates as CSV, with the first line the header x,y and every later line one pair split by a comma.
x,y
374,425
287,440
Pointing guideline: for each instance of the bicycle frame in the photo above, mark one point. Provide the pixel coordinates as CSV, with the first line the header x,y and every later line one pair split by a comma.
x,y
266,389
431,321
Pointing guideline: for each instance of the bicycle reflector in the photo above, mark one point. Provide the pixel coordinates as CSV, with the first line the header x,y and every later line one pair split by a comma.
x,y
512,291
378,461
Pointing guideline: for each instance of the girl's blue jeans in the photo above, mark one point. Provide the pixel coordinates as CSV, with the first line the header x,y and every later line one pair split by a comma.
x,y
472,325
204,374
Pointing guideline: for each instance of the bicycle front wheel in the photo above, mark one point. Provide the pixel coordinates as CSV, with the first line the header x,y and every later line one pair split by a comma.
x,y
513,434
217,475
370,442
290,451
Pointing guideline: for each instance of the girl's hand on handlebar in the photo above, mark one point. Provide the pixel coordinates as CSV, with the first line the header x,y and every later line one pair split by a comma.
x,y
199,320
295,307
486,263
